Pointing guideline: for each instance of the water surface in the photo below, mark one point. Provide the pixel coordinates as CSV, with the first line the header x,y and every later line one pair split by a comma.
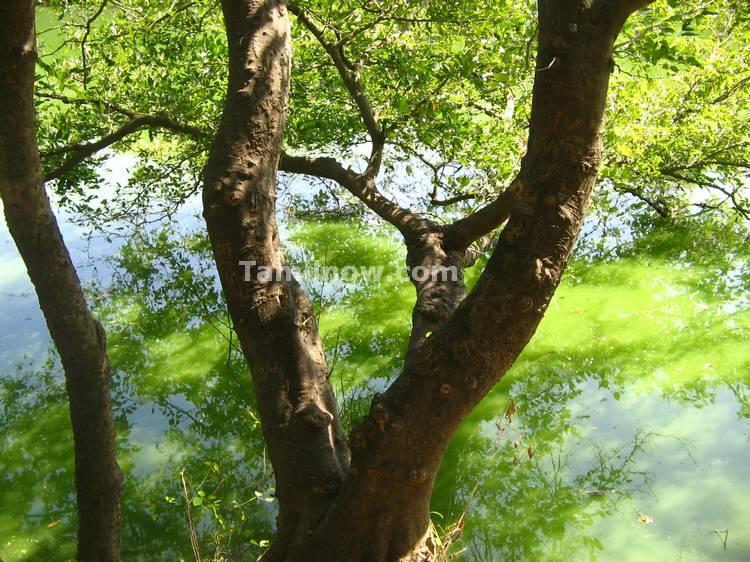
x,y
621,433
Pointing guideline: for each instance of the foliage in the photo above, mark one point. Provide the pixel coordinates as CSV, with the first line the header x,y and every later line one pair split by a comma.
x,y
450,82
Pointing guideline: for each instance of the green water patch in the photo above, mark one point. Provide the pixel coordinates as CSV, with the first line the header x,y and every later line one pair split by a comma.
x,y
620,434
364,325
622,431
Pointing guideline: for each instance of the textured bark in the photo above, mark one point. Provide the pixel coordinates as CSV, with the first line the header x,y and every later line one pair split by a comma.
x,y
437,275
375,508
79,339
382,510
273,318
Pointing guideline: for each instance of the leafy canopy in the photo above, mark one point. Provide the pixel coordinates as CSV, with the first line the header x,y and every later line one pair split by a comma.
x,y
450,81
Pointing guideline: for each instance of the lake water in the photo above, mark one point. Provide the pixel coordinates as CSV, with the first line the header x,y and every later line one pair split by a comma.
x,y
621,434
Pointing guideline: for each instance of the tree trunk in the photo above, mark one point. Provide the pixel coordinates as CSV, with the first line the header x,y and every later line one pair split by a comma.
x,y
273,318
79,339
376,508
438,278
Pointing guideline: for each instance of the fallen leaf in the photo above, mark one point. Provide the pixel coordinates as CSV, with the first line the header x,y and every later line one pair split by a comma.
x,y
644,519
511,411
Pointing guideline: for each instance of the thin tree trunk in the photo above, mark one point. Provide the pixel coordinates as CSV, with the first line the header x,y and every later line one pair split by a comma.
x,y
79,339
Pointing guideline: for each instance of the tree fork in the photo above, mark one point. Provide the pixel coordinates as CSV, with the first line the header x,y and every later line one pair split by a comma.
x,y
377,507
383,509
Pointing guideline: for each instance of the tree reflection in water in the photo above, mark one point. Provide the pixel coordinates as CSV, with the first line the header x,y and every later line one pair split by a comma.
x,y
632,400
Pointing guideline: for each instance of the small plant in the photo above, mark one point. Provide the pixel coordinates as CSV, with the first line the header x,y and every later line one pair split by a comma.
x,y
227,528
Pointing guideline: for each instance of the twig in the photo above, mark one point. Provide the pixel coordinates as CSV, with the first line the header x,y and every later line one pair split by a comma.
x,y
191,527
89,22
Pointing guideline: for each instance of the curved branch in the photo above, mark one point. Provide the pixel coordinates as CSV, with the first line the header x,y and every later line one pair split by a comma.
x,y
89,23
136,123
92,102
731,195
460,234
359,185
705,164
659,206
323,167
353,85
84,151
731,91
451,200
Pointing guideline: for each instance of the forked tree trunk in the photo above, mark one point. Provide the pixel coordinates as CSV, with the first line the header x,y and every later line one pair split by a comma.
x,y
376,508
79,338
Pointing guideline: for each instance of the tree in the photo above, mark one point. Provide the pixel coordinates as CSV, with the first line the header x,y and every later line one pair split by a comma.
x,y
370,500
367,498
79,338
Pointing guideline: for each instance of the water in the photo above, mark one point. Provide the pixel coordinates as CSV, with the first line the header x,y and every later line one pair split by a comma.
x,y
627,438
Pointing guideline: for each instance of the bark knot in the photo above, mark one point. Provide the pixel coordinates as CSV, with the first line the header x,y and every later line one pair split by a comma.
x,y
418,476
314,415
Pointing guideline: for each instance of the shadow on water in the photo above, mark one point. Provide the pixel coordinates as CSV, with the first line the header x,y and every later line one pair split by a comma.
x,y
620,434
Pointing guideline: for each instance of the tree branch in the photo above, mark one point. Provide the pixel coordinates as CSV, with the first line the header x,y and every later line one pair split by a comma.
x,y
359,31
460,234
731,196
89,23
731,91
451,200
659,206
92,102
359,185
350,76
705,164
136,123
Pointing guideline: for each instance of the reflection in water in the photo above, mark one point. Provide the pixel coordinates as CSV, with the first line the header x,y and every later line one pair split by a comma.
x,y
640,476
621,434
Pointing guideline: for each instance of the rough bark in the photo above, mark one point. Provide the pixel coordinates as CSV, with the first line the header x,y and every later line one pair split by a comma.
x,y
376,508
273,318
438,277
79,339
382,510
437,256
